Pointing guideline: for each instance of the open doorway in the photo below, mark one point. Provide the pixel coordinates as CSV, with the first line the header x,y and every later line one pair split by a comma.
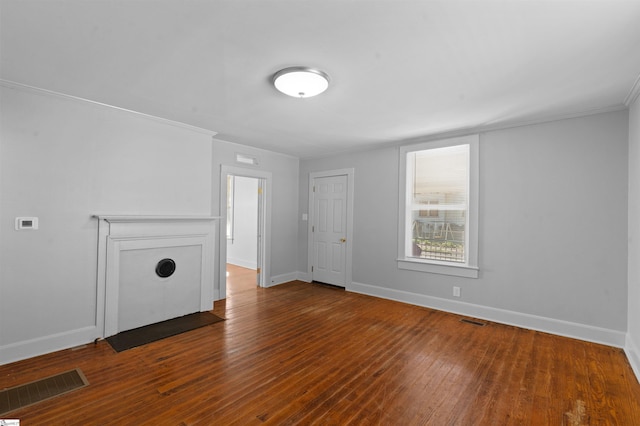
x,y
240,279
246,193
242,233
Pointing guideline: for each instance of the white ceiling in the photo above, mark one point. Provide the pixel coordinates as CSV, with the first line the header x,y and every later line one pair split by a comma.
x,y
399,69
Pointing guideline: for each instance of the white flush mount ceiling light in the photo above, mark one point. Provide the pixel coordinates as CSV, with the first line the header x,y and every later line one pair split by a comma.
x,y
301,82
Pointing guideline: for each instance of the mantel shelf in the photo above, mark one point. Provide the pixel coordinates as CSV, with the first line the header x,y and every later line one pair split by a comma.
x,y
152,218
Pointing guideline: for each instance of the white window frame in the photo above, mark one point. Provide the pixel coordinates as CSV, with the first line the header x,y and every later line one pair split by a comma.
x,y
469,268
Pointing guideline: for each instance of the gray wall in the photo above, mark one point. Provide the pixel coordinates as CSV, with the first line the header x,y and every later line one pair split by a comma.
x,y
553,228
62,160
633,321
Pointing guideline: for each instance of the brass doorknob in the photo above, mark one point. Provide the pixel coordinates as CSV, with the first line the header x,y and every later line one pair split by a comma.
x,y
343,240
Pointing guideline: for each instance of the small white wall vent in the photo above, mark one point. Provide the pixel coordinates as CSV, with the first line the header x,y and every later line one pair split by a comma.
x,y
246,159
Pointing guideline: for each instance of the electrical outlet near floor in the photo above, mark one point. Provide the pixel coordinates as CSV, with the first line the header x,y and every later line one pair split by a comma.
x,y
456,291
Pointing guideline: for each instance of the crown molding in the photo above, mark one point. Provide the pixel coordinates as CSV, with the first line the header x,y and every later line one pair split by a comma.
x,y
633,93
484,128
469,130
37,90
245,148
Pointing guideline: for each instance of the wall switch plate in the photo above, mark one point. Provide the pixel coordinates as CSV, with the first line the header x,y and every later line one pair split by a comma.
x,y
24,223
456,291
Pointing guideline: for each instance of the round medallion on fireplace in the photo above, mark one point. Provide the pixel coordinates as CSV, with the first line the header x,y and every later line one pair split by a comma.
x,y
165,268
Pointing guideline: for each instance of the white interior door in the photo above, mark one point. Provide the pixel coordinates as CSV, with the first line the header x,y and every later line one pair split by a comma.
x,y
329,229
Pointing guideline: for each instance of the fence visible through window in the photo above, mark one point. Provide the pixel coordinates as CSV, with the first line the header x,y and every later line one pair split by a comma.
x,y
439,241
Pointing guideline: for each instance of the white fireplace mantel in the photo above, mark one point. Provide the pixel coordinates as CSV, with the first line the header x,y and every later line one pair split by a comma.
x,y
121,236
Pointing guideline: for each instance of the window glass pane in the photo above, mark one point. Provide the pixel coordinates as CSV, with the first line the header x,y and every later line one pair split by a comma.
x,y
438,182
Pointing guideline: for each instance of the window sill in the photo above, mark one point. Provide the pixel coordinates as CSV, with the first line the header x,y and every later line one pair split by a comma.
x,y
439,268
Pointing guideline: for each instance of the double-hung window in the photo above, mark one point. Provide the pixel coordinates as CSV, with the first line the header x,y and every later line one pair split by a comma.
x,y
438,226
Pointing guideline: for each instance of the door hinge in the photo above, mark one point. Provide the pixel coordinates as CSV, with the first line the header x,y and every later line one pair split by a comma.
x,y
313,228
314,188
260,191
258,271
312,269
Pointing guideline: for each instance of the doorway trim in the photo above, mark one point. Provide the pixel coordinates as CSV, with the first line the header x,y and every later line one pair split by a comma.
x,y
264,261
349,173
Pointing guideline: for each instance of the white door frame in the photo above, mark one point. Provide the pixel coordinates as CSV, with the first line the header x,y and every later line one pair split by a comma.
x,y
349,173
264,261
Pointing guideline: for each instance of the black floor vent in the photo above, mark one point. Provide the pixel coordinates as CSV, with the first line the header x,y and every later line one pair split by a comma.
x,y
473,322
24,395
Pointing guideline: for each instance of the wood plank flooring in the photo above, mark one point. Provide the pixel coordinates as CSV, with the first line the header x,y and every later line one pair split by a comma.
x,y
304,353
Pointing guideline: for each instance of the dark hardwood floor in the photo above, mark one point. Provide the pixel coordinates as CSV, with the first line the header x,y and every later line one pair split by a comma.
x,y
303,353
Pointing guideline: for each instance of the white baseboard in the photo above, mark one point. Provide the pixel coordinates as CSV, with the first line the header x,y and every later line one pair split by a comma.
x,y
243,263
633,355
44,345
548,325
284,278
304,276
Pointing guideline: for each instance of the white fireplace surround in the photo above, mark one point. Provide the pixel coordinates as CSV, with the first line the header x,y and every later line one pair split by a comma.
x,y
118,234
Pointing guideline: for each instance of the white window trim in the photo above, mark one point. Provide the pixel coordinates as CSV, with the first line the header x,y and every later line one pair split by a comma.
x,y
469,269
